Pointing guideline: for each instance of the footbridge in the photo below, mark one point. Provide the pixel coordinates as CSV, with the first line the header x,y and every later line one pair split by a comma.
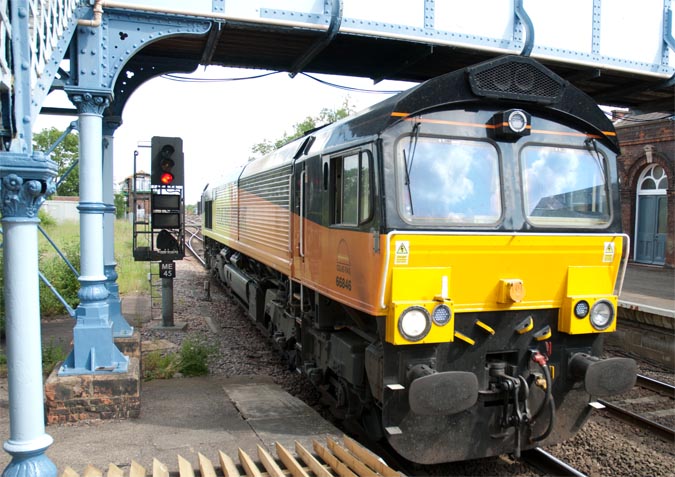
x,y
620,52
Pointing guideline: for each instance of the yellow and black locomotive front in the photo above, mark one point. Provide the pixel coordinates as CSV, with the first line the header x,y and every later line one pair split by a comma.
x,y
503,248
442,265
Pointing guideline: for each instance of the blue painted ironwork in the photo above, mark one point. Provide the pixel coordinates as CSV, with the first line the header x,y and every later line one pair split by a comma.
x,y
26,180
120,325
48,284
333,29
56,248
94,350
525,19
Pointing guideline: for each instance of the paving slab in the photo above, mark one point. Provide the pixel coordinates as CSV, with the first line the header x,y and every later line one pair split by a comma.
x,y
185,416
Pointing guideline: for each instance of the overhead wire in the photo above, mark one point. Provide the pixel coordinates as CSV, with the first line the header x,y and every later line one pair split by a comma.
x,y
191,79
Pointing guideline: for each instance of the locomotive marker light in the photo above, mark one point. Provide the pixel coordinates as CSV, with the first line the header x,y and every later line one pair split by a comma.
x,y
441,315
581,309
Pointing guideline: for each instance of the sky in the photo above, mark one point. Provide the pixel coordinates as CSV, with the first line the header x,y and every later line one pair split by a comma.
x,y
219,122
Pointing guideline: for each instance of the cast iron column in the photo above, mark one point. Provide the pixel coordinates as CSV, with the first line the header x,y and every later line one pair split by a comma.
x,y
120,326
21,199
93,347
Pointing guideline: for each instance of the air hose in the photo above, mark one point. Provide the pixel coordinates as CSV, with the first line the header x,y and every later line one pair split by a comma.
x,y
548,399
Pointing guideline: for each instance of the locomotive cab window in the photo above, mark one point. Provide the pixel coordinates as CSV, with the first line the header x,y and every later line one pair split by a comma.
x,y
565,186
352,188
445,181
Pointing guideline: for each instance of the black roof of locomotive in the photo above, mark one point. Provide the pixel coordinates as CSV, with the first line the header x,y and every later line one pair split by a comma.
x,y
496,82
551,96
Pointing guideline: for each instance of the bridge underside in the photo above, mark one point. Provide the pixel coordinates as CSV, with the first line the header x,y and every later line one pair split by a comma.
x,y
274,48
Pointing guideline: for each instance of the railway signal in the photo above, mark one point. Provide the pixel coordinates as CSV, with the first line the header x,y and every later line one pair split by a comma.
x,y
166,168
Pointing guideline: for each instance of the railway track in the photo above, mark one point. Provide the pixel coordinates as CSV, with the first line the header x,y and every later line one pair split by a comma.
x,y
644,411
193,232
549,464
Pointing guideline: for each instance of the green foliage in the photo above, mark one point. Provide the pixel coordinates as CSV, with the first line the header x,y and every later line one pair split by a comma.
x,y
46,220
132,275
65,154
157,365
120,205
60,276
194,356
325,116
190,360
52,355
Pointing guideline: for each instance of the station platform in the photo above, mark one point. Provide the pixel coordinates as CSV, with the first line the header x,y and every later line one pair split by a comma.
x,y
649,289
646,315
187,416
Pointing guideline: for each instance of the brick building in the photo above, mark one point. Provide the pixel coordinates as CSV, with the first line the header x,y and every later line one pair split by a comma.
x,y
647,175
140,203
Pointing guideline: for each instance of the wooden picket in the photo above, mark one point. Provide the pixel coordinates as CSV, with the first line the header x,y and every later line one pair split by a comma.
x,y
334,460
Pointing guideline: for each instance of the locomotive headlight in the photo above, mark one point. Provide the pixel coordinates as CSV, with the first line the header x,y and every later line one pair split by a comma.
x,y
414,323
517,121
441,315
581,309
602,315
510,125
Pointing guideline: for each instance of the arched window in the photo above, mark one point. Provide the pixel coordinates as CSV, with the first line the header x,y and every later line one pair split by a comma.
x,y
652,216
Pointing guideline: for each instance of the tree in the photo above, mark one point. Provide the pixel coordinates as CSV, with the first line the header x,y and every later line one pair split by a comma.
x,y
325,116
65,154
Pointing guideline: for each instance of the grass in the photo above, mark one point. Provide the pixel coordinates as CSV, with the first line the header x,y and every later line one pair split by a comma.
x,y
190,360
132,275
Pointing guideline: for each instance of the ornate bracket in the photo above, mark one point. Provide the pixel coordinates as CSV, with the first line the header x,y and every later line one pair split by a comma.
x,y
27,180
89,102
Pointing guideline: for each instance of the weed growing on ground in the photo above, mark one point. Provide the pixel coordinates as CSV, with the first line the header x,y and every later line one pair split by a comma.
x,y
52,355
194,356
190,360
158,365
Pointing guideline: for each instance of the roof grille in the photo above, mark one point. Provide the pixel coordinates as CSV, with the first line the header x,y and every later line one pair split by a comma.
x,y
515,77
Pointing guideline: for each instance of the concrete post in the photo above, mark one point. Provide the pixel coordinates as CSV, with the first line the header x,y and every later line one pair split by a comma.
x,y
93,347
120,326
27,440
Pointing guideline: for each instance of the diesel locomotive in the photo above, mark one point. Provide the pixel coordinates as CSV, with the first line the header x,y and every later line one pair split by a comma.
x,y
444,265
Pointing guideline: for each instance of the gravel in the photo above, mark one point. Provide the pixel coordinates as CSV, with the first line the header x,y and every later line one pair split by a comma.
x,y
604,446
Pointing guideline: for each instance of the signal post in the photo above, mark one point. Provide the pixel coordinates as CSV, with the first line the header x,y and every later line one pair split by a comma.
x,y
163,240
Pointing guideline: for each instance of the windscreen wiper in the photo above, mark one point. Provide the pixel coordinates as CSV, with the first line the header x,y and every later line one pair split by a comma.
x,y
412,147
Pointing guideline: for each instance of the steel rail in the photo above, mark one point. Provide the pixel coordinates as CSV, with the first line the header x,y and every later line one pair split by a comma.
x,y
188,242
630,417
549,464
659,387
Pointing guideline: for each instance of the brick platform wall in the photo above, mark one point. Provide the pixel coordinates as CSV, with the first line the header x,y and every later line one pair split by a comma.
x,y
93,396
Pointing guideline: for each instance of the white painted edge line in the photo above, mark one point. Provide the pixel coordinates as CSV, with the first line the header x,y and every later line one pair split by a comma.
x,y
647,309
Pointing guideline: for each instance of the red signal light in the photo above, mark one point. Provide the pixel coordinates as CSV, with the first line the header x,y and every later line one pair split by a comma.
x,y
166,178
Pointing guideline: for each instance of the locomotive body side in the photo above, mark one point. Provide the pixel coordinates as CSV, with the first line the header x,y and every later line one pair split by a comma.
x,y
442,266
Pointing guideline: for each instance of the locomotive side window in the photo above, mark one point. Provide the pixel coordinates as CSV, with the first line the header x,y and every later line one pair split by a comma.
x,y
565,186
352,188
444,181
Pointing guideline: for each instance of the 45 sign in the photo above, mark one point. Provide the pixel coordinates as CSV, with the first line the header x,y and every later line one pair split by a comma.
x,y
167,269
